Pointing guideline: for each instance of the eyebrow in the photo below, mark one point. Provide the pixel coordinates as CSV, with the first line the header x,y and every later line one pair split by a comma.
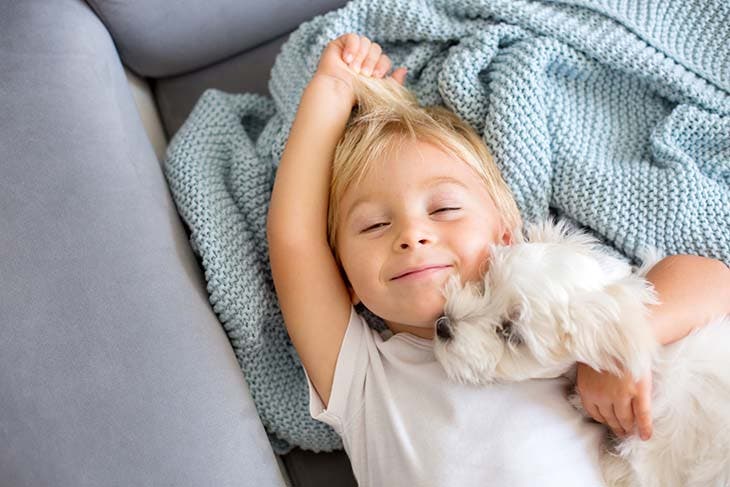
x,y
429,183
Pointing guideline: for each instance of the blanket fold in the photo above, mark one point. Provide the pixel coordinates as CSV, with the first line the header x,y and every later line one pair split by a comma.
x,y
613,115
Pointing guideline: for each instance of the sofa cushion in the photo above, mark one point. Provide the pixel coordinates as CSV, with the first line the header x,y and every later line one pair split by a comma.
x,y
162,38
113,367
147,108
247,72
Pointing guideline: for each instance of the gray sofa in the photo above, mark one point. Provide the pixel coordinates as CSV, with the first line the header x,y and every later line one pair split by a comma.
x,y
114,370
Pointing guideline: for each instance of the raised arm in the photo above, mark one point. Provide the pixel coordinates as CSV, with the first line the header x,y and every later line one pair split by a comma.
x,y
313,298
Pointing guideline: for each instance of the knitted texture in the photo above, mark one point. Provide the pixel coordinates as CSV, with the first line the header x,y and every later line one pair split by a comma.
x,y
614,115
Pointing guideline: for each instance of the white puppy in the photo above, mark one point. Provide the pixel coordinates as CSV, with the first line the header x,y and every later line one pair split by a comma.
x,y
558,299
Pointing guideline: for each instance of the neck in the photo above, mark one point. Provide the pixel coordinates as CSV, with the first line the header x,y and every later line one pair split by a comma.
x,y
419,331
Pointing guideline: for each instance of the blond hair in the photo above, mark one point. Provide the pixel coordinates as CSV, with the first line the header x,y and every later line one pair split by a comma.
x,y
385,114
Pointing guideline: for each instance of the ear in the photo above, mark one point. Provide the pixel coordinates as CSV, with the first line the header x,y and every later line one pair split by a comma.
x,y
507,237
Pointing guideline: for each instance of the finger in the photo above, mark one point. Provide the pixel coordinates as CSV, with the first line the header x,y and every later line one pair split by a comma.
x,y
611,421
593,412
642,410
372,58
625,415
361,54
400,75
382,66
352,46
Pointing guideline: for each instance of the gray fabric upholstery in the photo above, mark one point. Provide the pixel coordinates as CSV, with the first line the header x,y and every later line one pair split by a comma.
x,y
162,38
113,367
246,72
249,72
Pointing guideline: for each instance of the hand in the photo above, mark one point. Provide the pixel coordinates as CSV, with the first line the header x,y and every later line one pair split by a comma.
x,y
618,402
350,55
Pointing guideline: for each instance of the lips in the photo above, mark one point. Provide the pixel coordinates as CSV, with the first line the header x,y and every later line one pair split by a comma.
x,y
418,269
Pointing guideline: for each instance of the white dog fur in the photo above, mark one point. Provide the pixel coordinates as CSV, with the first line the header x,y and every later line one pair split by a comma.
x,y
557,299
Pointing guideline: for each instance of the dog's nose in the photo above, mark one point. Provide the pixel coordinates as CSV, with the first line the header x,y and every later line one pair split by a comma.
x,y
443,328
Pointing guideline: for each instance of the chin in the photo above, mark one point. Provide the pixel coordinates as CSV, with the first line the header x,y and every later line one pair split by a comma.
x,y
417,321
427,312
418,317
422,311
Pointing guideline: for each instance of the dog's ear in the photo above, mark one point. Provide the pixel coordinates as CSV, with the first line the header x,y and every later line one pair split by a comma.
x,y
610,330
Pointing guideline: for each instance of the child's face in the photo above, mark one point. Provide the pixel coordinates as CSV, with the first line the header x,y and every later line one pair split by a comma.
x,y
424,208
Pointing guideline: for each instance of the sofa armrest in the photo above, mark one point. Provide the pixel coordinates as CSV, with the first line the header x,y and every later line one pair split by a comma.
x,y
113,367
148,113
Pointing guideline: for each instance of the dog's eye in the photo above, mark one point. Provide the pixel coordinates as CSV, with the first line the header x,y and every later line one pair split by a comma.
x,y
506,327
508,333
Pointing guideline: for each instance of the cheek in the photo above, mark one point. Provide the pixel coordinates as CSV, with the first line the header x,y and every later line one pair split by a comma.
x,y
476,264
474,255
360,263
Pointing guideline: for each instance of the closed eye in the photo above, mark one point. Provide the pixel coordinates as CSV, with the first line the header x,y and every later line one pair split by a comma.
x,y
450,208
374,227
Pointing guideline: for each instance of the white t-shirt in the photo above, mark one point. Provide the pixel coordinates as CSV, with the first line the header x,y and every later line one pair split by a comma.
x,y
403,423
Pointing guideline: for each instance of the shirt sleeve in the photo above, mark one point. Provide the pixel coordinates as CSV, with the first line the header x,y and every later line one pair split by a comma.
x,y
347,395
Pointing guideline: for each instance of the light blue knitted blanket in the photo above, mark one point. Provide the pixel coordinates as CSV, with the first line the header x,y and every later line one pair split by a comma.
x,y
612,114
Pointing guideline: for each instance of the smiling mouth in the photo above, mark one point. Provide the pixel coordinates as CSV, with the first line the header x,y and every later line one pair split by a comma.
x,y
421,272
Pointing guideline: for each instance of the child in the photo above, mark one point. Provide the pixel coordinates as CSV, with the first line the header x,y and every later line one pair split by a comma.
x,y
381,210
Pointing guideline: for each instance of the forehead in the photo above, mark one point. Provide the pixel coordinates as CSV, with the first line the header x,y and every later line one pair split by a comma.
x,y
414,165
414,161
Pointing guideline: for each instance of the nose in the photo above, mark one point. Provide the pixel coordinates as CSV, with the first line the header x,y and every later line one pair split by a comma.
x,y
443,328
412,236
